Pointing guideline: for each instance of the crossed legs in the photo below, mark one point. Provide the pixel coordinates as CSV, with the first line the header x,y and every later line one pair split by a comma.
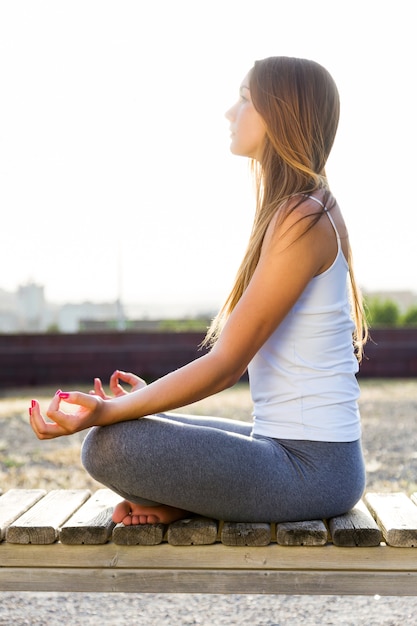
x,y
167,467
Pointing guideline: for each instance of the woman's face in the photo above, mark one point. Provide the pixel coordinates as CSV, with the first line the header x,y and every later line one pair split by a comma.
x,y
246,125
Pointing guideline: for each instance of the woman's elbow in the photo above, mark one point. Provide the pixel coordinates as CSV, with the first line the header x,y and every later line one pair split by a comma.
x,y
229,372
229,380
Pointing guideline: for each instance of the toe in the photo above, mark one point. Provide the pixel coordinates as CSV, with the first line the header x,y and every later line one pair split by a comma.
x,y
120,512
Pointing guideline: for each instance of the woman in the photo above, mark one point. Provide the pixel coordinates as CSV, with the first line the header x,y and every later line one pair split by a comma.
x,y
292,319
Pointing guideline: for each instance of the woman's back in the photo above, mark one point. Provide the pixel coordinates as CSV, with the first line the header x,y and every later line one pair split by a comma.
x,y
302,379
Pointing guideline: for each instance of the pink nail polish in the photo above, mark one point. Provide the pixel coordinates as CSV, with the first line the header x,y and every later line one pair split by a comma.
x,y
63,395
33,403
58,392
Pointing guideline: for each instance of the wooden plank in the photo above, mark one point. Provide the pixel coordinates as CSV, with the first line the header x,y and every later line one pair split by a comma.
x,y
92,523
397,517
245,534
312,533
216,556
138,535
355,528
41,523
14,503
198,531
139,580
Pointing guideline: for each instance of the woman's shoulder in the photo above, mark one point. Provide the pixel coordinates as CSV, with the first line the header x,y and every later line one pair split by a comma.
x,y
302,219
297,213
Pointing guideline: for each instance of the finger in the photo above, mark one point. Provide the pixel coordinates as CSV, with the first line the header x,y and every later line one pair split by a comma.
x,y
56,400
98,389
115,387
132,379
69,421
77,398
54,404
41,428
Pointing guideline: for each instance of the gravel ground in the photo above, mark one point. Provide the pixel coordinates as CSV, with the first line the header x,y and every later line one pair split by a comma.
x,y
389,410
203,610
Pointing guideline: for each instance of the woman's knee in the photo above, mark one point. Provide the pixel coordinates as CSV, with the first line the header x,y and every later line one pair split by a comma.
x,y
107,450
93,455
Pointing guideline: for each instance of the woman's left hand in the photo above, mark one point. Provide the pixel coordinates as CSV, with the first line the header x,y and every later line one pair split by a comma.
x,y
115,387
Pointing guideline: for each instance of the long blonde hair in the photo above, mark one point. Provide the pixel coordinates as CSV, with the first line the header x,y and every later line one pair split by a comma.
x,y
299,103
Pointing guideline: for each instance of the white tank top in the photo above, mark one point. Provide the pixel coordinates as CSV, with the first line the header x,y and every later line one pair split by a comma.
x,y
302,380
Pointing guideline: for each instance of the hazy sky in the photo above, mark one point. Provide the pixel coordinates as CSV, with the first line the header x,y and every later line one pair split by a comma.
x,y
115,171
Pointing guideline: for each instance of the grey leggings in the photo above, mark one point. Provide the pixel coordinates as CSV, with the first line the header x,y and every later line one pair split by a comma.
x,y
217,468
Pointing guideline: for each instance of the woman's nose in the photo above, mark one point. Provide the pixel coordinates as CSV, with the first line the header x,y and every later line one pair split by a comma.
x,y
229,115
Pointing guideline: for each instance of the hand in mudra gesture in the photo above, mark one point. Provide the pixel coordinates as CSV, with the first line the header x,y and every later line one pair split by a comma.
x,y
90,408
115,387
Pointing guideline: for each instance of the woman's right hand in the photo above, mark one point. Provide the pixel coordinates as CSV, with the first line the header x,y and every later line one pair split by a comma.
x,y
90,409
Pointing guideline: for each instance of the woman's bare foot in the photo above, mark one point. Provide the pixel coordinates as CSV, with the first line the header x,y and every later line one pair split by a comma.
x,y
131,514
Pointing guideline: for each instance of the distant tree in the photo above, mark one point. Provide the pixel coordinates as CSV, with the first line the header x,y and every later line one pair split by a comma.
x,y
184,325
53,329
410,317
386,313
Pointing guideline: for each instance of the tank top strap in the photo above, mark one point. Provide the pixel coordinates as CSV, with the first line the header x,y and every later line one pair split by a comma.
x,y
325,209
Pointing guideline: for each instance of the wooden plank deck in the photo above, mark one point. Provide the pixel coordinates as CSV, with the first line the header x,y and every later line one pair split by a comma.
x,y
79,548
